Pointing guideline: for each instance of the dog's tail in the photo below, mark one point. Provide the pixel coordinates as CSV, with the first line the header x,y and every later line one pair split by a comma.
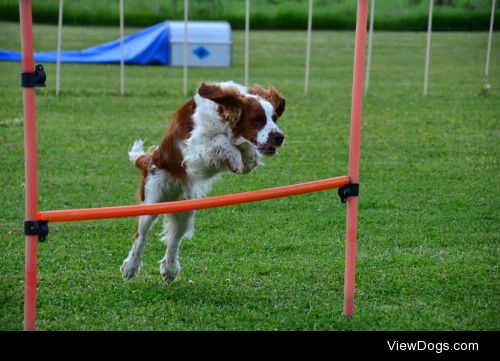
x,y
141,160
138,156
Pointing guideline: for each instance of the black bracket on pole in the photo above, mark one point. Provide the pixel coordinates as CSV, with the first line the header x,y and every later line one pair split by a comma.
x,y
36,228
349,190
35,79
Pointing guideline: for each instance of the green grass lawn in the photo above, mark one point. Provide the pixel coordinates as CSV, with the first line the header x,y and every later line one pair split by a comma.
x,y
428,245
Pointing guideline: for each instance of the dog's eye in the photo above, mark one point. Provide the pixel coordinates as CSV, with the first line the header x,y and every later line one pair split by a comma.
x,y
257,120
275,117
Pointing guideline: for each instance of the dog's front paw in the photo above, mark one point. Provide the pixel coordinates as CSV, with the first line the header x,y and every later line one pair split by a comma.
x,y
250,164
129,268
230,157
169,271
250,157
235,166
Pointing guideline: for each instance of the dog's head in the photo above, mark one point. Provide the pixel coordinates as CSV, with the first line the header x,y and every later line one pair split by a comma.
x,y
252,117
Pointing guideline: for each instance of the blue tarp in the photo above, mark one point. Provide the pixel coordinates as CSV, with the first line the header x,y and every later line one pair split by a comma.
x,y
148,46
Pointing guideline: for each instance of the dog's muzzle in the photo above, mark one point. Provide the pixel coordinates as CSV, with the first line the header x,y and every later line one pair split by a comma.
x,y
274,141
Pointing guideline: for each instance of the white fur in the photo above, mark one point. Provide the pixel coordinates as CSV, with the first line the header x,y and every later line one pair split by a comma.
x,y
136,150
209,151
231,84
270,124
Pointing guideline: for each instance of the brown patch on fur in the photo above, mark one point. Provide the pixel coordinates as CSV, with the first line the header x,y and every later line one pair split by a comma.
x,y
271,95
230,115
252,120
229,98
168,155
143,163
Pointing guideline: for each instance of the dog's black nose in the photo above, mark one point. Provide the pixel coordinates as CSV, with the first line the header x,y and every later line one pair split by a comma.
x,y
278,138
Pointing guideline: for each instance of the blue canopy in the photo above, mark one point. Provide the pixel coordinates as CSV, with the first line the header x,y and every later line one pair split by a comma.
x,y
148,46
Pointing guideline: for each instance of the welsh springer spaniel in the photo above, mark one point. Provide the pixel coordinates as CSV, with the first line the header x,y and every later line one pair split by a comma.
x,y
225,126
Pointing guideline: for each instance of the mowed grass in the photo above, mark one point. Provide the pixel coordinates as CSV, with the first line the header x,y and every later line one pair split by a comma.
x,y
428,245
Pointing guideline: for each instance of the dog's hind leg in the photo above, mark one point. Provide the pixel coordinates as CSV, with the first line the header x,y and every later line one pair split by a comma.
x,y
152,194
131,264
176,227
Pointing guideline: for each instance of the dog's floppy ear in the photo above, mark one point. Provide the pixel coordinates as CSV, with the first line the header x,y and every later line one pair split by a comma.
x,y
271,95
228,97
277,101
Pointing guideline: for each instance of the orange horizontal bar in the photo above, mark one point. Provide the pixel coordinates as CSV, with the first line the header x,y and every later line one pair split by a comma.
x,y
191,204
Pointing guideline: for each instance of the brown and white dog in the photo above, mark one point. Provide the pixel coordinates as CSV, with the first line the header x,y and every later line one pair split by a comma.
x,y
225,126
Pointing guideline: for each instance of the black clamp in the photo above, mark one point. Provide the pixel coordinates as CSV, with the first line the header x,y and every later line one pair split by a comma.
x,y
349,190
35,79
36,228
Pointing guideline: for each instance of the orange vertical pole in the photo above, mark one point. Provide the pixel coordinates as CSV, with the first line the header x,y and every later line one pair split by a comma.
x,y
30,183
354,142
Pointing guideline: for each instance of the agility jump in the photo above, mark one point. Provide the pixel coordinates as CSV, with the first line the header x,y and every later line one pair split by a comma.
x,y
36,223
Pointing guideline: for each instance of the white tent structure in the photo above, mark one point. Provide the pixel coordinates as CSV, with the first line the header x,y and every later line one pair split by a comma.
x,y
199,43
209,41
